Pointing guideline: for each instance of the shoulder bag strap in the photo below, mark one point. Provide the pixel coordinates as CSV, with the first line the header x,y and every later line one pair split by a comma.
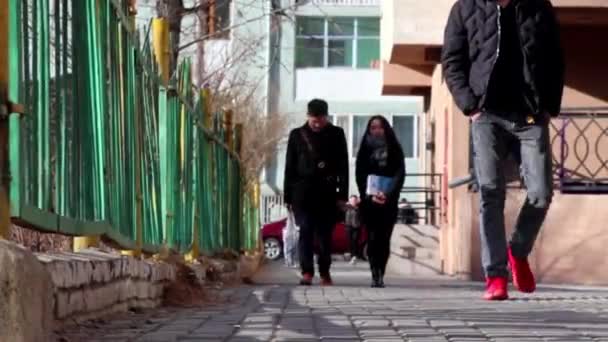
x,y
308,144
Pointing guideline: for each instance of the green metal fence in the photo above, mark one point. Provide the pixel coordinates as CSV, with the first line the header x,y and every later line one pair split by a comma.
x,y
105,148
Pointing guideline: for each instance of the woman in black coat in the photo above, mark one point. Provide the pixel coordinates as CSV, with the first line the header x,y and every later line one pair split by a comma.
x,y
381,155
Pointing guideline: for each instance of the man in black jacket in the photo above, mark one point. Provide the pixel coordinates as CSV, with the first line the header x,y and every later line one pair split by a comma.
x,y
503,64
316,186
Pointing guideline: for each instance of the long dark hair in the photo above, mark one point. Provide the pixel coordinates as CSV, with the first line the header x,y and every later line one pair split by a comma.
x,y
394,147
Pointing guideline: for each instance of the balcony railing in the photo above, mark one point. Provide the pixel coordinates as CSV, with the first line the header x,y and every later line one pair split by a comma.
x,y
579,143
346,2
580,150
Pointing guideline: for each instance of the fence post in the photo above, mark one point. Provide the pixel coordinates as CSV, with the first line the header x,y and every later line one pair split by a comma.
x,y
139,234
160,31
194,253
240,183
256,212
228,139
4,73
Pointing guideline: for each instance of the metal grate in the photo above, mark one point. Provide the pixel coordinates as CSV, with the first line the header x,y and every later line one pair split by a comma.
x,y
580,151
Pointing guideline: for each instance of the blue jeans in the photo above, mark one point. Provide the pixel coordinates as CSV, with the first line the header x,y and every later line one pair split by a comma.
x,y
492,135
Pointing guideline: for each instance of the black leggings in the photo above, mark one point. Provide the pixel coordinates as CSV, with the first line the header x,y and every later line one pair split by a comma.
x,y
380,223
353,239
379,246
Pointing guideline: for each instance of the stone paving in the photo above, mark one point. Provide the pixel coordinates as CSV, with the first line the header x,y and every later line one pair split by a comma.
x,y
407,310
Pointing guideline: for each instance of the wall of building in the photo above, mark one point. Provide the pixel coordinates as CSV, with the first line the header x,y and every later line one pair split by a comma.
x,y
586,69
571,245
450,158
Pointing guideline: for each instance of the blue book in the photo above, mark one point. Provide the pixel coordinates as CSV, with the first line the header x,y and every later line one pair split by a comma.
x,y
379,184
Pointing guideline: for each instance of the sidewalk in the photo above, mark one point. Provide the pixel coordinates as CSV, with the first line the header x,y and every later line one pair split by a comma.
x,y
407,310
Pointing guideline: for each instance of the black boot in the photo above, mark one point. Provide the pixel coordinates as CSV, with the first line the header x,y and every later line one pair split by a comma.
x,y
376,282
381,278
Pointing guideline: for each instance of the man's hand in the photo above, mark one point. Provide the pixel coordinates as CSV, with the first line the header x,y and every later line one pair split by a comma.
x,y
475,115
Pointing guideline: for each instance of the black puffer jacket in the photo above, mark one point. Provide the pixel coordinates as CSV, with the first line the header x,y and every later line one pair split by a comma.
x,y
471,48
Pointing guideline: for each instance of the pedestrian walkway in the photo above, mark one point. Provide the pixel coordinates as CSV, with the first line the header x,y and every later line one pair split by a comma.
x,y
407,310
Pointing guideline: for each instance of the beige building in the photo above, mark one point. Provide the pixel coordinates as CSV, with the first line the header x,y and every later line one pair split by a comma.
x,y
572,245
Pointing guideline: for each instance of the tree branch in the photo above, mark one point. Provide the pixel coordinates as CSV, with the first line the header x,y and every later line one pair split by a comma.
x,y
229,28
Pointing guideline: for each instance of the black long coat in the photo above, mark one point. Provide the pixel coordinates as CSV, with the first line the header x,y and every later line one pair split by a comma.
x,y
315,181
370,212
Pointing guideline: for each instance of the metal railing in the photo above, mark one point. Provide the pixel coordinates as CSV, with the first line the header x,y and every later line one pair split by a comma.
x,y
272,208
579,143
580,148
102,142
423,200
426,208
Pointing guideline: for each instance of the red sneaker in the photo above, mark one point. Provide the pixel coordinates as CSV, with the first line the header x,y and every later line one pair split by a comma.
x,y
326,280
496,289
523,279
306,279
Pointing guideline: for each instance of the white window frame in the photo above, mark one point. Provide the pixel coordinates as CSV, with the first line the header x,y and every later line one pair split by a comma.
x,y
326,37
415,139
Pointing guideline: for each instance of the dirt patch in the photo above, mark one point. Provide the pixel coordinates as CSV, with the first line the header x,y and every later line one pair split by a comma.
x,y
199,283
186,290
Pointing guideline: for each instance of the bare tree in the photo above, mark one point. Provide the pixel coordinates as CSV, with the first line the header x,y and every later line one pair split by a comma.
x,y
227,72
233,89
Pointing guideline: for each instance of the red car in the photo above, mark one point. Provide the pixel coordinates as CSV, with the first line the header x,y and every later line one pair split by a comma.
x,y
272,235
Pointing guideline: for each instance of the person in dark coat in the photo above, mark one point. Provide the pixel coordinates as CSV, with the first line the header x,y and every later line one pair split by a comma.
x,y
503,63
352,224
316,186
380,154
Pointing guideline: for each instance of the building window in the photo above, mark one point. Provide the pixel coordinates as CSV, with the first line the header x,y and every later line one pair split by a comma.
x,y
359,127
405,132
218,19
337,42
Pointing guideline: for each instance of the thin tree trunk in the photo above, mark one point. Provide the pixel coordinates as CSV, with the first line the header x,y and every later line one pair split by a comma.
x,y
203,30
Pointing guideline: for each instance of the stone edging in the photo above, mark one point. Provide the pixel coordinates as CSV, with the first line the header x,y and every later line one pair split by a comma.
x,y
91,283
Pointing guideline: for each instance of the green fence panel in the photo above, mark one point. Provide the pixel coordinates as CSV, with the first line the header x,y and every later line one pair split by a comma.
x,y
104,147
150,100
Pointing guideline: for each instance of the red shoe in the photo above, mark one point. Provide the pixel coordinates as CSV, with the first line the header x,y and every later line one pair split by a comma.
x,y
523,279
306,279
326,280
496,289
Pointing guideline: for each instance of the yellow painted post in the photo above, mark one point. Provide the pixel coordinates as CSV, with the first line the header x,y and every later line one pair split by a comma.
x,y
256,206
195,251
5,222
160,29
84,242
